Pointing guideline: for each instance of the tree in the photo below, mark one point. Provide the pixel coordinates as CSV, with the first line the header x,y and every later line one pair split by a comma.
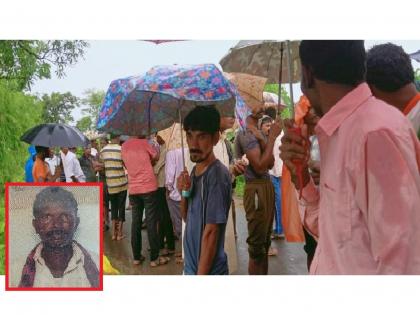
x,y
417,78
93,101
24,61
58,107
274,88
285,98
84,124
18,113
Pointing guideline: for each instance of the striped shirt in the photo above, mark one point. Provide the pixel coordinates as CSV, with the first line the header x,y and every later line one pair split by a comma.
x,y
116,178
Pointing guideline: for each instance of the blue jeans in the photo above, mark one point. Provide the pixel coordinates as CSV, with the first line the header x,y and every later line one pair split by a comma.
x,y
278,228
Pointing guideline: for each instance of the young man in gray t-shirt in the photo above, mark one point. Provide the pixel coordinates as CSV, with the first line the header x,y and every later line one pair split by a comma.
x,y
206,197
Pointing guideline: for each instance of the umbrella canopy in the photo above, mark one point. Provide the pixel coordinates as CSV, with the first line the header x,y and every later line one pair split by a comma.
x,y
162,41
250,89
146,104
55,135
262,58
415,56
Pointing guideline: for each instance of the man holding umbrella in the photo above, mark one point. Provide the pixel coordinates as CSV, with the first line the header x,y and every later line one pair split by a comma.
x,y
40,170
365,212
206,196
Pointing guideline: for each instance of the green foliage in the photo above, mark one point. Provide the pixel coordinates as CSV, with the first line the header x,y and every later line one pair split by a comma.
x,y
240,186
58,107
2,252
24,61
84,124
93,101
18,112
274,88
417,79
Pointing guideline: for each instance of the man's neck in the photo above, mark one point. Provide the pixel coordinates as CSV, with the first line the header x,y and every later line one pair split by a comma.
x,y
202,166
331,94
400,98
57,259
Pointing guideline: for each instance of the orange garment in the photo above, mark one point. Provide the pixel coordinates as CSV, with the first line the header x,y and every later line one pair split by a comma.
x,y
40,169
413,102
290,217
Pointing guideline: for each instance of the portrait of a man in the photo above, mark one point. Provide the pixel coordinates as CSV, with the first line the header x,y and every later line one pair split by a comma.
x,y
58,259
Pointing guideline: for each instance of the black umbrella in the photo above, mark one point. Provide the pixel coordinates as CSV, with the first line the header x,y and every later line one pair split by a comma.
x,y
55,135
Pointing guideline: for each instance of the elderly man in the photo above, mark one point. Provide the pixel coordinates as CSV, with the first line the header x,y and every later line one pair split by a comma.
x,y
58,260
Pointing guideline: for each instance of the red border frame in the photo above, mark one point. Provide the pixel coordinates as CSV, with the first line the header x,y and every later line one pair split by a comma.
x,y
101,248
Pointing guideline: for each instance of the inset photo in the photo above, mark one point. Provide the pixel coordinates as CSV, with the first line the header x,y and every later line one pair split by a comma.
x,y
54,236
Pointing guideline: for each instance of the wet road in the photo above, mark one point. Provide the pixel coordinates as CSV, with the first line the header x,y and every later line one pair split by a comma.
x,y
290,260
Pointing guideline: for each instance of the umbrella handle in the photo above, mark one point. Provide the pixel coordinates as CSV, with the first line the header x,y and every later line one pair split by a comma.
x,y
182,137
280,77
289,72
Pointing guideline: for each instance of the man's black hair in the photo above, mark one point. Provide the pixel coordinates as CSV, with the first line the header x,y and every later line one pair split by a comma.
x,y
203,118
389,68
271,111
335,61
39,149
54,195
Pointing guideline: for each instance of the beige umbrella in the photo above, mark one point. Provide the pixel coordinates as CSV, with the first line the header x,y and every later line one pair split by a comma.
x,y
265,58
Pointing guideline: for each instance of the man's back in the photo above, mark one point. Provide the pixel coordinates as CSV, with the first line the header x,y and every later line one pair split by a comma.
x,y
116,179
137,155
245,141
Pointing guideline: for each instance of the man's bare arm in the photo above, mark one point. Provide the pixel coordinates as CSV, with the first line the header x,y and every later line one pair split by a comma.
x,y
208,248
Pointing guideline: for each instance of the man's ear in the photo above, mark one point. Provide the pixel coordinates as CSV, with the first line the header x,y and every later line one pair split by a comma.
x,y
308,80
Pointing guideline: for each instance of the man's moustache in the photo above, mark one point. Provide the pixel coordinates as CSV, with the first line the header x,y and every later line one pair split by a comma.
x,y
56,232
192,151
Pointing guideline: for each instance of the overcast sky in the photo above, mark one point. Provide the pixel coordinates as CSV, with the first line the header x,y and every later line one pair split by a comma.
x,y
109,60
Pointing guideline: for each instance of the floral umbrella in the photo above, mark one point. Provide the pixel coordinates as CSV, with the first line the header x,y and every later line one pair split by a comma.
x,y
152,102
146,104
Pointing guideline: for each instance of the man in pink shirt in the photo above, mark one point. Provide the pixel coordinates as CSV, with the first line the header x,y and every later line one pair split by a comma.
x,y
366,212
138,156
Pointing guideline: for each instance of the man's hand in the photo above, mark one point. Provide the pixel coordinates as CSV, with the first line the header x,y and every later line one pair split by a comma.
x,y
238,168
275,130
295,148
314,166
183,182
257,133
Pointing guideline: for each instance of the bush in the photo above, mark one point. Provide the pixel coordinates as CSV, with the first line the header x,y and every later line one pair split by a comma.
x,y
18,112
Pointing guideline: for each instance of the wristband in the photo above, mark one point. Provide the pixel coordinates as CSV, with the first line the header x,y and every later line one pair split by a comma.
x,y
186,193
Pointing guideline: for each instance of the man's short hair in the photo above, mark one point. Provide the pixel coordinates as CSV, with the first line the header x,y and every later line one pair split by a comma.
x,y
389,68
39,149
203,118
271,111
54,195
335,61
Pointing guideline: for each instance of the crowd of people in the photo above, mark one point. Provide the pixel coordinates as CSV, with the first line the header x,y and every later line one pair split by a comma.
x,y
353,160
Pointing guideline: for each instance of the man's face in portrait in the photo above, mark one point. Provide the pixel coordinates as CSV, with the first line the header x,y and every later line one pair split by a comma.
x,y
56,225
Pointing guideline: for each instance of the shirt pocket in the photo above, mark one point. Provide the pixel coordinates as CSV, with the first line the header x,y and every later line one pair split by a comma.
x,y
338,212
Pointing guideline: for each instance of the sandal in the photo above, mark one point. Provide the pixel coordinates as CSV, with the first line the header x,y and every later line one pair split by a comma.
x,y
272,251
160,261
138,262
179,260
